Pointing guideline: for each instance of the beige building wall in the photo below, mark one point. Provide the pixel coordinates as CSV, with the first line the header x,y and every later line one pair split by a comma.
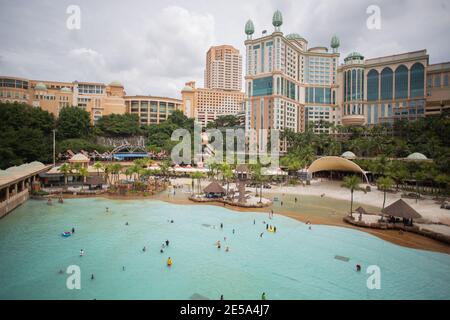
x,y
223,68
438,89
206,105
96,98
152,110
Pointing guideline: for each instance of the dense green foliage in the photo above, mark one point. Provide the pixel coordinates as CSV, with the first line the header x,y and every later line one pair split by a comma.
x,y
116,125
73,123
25,135
159,135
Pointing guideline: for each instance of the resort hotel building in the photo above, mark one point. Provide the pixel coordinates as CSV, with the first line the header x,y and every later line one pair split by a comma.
x,y
291,86
222,93
96,98
151,110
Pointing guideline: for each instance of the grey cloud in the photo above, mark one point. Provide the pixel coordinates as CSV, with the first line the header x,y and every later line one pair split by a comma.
x,y
153,47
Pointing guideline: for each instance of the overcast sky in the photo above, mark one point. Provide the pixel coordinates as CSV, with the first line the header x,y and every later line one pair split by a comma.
x,y
154,47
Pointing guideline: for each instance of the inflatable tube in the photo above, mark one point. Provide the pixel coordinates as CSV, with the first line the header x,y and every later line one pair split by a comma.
x,y
66,234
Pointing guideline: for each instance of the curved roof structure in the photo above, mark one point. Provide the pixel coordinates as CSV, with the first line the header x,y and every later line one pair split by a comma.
x,y
40,86
333,163
13,173
354,56
116,83
348,155
294,36
79,157
416,156
187,88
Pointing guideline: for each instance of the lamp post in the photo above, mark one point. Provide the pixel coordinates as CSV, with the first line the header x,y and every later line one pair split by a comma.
x,y
54,147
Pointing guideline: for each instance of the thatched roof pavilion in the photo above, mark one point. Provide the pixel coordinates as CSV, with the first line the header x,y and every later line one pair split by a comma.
x,y
400,209
214,189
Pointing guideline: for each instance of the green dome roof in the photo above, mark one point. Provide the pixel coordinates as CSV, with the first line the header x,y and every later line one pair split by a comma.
x,y
65,89
40,86
116,83
348,155
354,56
249,27
294,36
416,156
277,19
187,88
335,43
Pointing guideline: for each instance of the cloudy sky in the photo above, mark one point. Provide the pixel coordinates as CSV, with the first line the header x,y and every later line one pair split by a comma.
x,y
154,47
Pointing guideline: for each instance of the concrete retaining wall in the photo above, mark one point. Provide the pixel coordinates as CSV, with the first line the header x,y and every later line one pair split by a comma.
x,y
13,202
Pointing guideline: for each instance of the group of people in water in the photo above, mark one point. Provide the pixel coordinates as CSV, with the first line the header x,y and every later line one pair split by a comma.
x,y
50,201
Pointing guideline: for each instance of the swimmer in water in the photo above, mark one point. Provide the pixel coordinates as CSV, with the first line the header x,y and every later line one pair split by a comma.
x,y
169,262
73,230
227,249
143,249
92,276
261,234
221,225
167,243
81,252
161,251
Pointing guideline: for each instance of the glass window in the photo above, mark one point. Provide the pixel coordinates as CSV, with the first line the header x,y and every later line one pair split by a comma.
x,y
417,79
372,85
386,84
262,86
401,82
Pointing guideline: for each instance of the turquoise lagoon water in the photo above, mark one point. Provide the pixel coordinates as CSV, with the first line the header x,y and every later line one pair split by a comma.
x,y
294,263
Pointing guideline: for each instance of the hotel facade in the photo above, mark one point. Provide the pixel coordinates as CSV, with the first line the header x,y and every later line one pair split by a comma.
x,y
97,98
291,86
151,110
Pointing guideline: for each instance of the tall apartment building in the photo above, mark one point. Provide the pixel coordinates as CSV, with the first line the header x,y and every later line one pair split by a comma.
x,y
287,84
96,98
151,110
223,68
222,93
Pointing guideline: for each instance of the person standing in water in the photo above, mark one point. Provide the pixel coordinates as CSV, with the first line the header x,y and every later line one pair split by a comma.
x,y
263,296
167,243
73,230
92,276
221,225
169,262
81,252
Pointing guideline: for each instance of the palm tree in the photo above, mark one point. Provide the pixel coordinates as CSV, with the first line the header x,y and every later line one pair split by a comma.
x,y
98,166
83,172
352,183
385,183
227,175
198,176
116,169
65,169
108,169
164,168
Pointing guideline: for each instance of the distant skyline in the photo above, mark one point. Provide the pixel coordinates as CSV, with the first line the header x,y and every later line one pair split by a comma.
x,y
154,47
